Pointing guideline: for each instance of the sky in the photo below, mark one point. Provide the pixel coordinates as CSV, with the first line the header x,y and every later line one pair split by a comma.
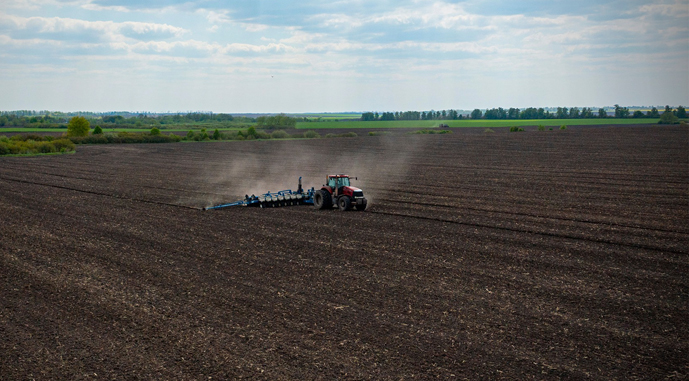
x,y
292,56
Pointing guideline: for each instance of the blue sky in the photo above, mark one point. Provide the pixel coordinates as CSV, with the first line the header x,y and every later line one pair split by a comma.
x,y
347,55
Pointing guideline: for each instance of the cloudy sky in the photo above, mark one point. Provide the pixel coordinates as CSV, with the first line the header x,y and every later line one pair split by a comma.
x,y
347,55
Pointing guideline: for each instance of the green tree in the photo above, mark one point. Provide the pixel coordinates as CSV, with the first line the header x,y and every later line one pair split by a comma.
x,y
681,112
621,112
78,126
602,113
668,117
216,134
476,114
155,131
97,130
653,113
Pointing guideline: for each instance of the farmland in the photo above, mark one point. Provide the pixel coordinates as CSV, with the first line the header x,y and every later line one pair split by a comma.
x,y
558,254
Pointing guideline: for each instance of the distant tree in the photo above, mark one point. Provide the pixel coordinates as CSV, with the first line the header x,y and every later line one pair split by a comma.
x,y
367,116
78,126
97,131
668,117
574,113
216,134
668,109
602,113
653,113
621,112
562,113
638,114
476,114
155,131
387,116
529,113
375,116
681,112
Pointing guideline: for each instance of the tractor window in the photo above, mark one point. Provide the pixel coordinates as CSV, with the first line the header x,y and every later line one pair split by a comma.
x,y
344,181
331,182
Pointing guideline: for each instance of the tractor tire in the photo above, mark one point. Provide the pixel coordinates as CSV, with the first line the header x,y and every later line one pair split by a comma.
x,y
361,207
322,199
344,203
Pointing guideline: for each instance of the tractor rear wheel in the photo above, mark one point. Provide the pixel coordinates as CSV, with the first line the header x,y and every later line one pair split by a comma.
x,y
322,199
344,203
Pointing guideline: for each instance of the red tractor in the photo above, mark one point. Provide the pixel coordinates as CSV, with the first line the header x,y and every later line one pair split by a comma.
x,y
338,192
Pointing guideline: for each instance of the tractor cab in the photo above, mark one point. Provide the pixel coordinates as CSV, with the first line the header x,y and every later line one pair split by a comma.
x,y
336,182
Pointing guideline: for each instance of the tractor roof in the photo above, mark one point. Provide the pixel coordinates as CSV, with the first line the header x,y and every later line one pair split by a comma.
x,y
340,175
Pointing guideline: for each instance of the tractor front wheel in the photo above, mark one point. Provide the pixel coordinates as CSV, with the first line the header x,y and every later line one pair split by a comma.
x,y
322,199
344,203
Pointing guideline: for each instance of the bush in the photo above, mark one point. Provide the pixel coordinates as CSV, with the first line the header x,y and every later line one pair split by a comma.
x,y
262,135
125,137
514,129
97,131
668,118
328,136
190,134
550,129
24,147
378,133
78,126
431,132
155,131
4,139
45,147
216,134
541,127
64,145
279,135
563,127
488,130
311,135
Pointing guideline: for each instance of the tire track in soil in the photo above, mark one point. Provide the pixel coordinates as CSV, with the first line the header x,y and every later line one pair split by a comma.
x,y
100,194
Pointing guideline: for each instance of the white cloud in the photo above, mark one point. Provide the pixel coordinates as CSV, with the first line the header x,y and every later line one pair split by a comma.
x,y
107,30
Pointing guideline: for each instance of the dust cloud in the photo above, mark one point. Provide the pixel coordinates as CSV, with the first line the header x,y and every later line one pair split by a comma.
x,y
380,163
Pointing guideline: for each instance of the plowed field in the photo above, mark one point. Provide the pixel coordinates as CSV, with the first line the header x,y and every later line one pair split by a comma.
x,y
558,254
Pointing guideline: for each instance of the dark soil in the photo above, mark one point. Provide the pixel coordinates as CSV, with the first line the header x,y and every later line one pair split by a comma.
x,y
557,254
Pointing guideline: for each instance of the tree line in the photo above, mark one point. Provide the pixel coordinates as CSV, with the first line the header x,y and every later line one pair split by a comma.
x,y
527,113
54,120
